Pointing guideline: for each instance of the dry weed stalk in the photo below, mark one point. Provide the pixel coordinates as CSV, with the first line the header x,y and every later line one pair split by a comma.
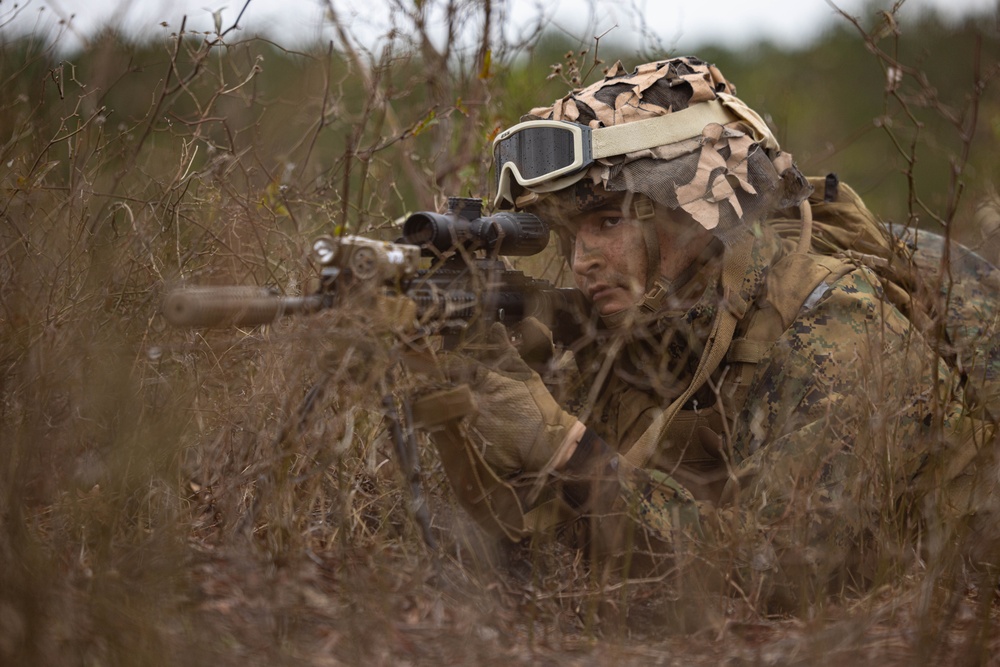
x,y
162,498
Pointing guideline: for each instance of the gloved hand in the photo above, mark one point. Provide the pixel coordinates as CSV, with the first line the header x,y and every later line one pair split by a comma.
x,y
522,425
535,344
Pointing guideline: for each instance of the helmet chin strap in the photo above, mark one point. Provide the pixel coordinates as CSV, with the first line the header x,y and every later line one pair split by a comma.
x,y
652,301
652,305
658,287
640,207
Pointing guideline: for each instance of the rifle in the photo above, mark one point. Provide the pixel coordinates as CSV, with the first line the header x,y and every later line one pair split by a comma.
x,y
465,286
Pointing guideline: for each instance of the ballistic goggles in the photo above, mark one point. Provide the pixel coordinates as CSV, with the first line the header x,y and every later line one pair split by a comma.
x,y
548,155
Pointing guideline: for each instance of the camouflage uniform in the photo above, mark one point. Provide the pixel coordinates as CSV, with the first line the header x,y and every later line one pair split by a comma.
x,y
848,416
832,422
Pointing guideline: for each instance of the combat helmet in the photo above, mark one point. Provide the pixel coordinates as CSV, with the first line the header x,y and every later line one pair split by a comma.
x,y
671,130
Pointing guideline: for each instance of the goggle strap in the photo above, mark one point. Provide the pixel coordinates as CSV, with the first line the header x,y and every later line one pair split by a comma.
x,y
667,129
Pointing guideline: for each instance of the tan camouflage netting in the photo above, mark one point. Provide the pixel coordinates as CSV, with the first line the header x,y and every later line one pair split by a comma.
x,y
729,174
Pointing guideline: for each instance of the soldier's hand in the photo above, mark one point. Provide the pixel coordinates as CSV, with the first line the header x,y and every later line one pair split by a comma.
x,y
535,344
522,426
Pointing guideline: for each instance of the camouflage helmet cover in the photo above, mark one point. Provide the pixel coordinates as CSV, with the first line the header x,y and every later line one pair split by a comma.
x,y
728,174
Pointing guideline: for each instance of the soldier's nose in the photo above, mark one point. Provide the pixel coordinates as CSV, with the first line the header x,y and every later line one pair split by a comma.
x,y
587,257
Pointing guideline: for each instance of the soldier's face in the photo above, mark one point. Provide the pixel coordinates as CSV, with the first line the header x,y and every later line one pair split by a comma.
x,y
610,260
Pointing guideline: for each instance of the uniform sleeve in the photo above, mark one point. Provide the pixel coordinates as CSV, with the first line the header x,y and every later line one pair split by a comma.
x,y
850,385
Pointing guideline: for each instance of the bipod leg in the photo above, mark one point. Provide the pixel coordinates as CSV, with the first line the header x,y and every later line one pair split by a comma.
x,y
409,464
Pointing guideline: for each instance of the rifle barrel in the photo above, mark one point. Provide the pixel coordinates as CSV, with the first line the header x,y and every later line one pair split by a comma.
x,y
195,307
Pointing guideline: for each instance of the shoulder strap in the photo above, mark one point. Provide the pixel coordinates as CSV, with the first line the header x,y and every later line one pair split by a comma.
x,y
734,269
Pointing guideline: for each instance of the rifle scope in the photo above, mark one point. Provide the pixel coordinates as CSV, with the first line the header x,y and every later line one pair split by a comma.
x,y
504,233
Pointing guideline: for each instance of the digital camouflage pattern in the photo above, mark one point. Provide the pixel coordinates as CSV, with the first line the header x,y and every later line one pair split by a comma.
x,y
967,296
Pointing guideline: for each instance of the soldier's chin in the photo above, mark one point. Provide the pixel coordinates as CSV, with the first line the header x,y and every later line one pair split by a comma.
x,y
619,317
608,307
616,306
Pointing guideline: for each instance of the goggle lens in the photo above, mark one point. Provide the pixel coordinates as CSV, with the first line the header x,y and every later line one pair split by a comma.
x,y
537,151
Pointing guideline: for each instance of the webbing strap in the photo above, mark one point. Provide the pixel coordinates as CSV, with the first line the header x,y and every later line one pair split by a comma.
x,y
805,236
667,129
734,270
746,351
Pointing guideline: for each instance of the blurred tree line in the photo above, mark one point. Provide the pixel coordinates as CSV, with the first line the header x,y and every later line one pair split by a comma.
x,y
360,137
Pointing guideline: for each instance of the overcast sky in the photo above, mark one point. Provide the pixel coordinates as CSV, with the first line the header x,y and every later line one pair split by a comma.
x,y
677,24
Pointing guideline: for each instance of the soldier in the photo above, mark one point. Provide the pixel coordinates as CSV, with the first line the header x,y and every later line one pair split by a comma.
x,y
742,392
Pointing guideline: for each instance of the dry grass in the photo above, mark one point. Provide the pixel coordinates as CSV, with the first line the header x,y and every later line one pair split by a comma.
x,y
164,499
